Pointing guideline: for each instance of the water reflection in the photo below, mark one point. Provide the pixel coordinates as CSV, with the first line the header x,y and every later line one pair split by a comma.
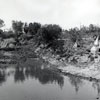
x,y
19,75
76,82
40,72
37,71
31,69
96,85
45,76
2,76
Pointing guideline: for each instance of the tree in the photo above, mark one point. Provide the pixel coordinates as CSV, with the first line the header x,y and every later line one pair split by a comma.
x,y
18,30
33,28
75,35
26,28
50,36
49,33
1,23
17,27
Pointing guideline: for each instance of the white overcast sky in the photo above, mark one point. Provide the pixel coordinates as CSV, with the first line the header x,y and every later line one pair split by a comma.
x,y
66,13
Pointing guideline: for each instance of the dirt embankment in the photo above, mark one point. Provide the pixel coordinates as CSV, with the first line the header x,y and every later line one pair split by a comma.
x,y
83,68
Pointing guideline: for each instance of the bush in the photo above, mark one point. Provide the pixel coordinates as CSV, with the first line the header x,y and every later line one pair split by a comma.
x,y
49,33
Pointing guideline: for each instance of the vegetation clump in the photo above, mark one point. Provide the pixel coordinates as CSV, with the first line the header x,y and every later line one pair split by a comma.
x,y
73,45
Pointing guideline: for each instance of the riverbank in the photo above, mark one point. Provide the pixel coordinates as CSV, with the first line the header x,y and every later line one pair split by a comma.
x,y
90,70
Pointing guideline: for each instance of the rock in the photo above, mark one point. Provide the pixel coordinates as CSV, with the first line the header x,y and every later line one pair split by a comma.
x,y
11,45
83,58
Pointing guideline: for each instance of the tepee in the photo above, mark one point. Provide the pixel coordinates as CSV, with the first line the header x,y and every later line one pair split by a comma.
x,y
95,46
96,42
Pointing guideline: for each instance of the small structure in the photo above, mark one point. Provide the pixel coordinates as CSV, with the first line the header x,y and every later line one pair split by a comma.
x,y
96,42
96,46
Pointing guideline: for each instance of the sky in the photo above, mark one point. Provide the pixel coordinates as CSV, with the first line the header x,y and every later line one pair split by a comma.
x,y
66,13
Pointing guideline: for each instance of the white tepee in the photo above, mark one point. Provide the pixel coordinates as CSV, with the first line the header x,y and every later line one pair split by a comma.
x,y
96,42
95,46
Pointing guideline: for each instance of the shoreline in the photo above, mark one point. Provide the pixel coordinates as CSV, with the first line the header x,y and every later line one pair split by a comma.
x,y
91,71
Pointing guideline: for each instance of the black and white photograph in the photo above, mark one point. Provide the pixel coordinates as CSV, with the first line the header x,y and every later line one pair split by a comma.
x,y
49,49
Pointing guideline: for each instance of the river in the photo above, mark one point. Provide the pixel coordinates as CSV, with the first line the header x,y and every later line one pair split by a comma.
x,y
32,79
